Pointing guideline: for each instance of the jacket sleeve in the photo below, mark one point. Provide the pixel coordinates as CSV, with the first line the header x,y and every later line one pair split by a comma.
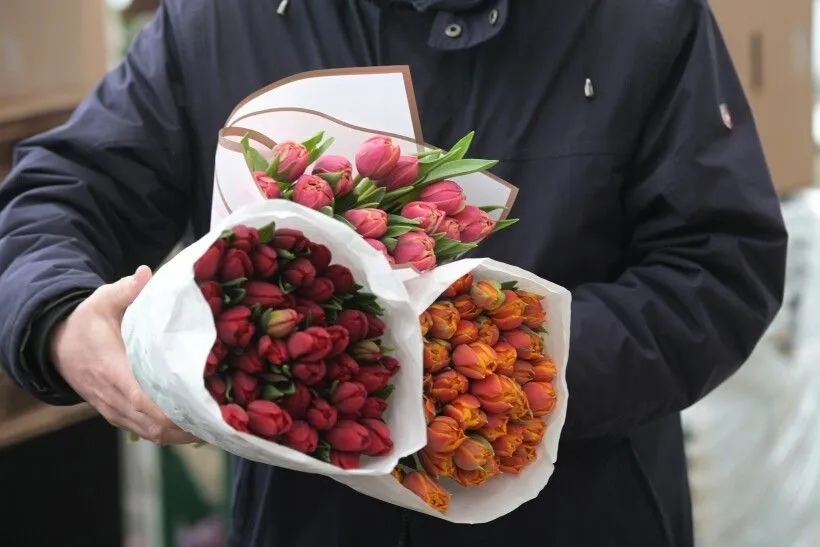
x,y
707,252
89,201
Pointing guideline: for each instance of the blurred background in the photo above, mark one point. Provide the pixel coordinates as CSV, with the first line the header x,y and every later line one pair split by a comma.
x,y
753,444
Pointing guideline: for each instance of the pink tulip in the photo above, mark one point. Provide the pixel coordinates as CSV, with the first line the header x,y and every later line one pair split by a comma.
x,y
382,248
369,223
447,195
426,214
403,174
377,157
293,160
475,224
313,192
416,249
336,165
266,184
451,228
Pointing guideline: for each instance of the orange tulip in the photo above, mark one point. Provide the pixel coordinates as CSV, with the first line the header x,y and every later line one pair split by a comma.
x,y
444,434
510,315
511,464
436,355
487,295
533,431
495,427
543,369
425,322
428,489
475,361
466,333
541,397
466,410
534,314
488,333
466,307
506,358
520,406
448,385
494,394
474,453
429,409
398,473
528,452
445,319
527,343
461,285
507,445
437,464
476,477
522,372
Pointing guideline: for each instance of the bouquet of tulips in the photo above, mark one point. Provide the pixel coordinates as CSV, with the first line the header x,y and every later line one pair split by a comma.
x,y
282,337
405,206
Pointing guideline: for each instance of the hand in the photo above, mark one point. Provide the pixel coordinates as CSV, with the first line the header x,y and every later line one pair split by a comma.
x,y
88,351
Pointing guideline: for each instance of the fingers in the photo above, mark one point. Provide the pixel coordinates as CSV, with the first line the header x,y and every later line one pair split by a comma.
x,y
119,295
148,421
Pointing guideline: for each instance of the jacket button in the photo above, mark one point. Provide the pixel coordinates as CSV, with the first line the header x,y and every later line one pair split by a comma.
x,y
453,31
493,16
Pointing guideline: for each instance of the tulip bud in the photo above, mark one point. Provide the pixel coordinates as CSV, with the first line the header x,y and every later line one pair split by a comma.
x,y
267,185
534,313
426,488
533,431
342,279
477,477
391,364
376,157
405,173
462,285
265,263
320,291
398,474
368,223
522,372
321,415
212,292
365,351
244,238
235,264
348,436
217,387
343,368
244,387
512,465
466,333
206,267
375,326
380,441
374,407
466,307
373,378
267,295
488,333
267,419
297,403
234,326
487,295
313,315
235,416
291,240
339,166
320,256
300,272
427,215
379,246
510,315
445,319
497,394
541,397
437,464
301,437
429,410
447,195
416,249
475,361
473,454
292,159
436,355
279,323
344,460
340,338
249,361
495,427
543,369
451,228
425,323
509,443
355,322
448,385
526,343
272,350
311,344
506,359
215,357
444,434
309,374
475,224
466,410
349,397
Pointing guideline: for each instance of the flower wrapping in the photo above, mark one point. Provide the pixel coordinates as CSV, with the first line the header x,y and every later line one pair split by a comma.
x,y
169,331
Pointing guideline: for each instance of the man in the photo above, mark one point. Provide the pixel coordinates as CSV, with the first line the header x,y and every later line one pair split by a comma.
x,y
643,189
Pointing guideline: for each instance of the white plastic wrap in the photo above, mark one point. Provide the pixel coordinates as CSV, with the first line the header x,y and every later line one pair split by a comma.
x,y
754,444
169,330
505,493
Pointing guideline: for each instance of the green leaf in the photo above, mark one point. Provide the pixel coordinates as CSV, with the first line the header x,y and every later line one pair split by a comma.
x,y
286,370
331,178
264,319
226,234
390,243
345,203
267,232
506,223
315,153
274,377
457,168
453,250
375,196
509,285
459,149
333,305
540,330
234,282
444,244
311,143
491,208
273,168
256,160
288,389
322,452
271,393
327,210
357,287
343,220
235,296
284,254
396,194
396,231
385,392
427,153
333,387
393,220
331,316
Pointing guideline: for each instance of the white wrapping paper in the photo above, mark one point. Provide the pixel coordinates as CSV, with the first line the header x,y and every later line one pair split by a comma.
x,y
505,493
169,330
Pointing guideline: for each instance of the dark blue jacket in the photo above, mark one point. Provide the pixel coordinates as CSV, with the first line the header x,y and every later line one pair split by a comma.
x,y
650,199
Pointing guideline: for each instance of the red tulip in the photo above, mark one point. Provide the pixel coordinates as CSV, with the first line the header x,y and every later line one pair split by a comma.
x,y
301,437
311,344
376,157
290,240
426,214
235,264
244,387
355,322
313,192
340,337
249,361
320,257
345,460
300,272
380,441
309,374
339,166
416,249
475,224
447,195
234,326
217,387
375,326
235,416
265,262
366,351
274,351
267,419
405,173
343,368
320,291
373,378
297,403
342,279
212,292
293,158
267,295
208,264
313,314
349,397
322,415
451,228
382,248
267,185
244,238
348,436
373,407
368,223
391,364
215,357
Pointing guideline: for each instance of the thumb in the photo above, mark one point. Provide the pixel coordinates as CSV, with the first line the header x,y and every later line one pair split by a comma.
x,y
120,294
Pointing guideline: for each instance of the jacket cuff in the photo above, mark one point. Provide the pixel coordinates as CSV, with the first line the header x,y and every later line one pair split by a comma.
x,y
35,351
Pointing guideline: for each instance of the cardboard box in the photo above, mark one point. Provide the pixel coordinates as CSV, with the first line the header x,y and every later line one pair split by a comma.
x,y
771,49
52,53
